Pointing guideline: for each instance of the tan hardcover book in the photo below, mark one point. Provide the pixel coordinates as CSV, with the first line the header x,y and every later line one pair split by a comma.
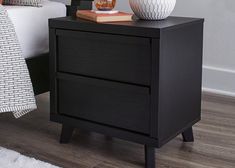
x,y
101,17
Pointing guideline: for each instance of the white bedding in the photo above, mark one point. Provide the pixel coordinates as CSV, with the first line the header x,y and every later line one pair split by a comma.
x,y
31,25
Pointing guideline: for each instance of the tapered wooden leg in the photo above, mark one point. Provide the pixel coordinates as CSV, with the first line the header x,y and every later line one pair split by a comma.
x,y
66,133
149,157
188,135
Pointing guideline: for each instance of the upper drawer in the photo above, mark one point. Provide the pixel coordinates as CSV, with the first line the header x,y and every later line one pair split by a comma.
x,y
113,57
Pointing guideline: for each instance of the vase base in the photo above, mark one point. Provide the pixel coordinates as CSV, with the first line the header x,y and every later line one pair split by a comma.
x,y
147,19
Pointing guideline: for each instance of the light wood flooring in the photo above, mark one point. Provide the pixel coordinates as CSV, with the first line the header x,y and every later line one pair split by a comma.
x,y
33,135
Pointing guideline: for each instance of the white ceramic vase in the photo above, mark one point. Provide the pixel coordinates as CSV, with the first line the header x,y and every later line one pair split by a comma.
x,y
152,9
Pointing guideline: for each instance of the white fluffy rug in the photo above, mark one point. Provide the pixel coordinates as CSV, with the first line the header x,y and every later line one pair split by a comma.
x,y
12,159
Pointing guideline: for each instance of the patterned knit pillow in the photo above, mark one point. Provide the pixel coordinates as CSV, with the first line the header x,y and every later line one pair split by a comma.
x,y
36,3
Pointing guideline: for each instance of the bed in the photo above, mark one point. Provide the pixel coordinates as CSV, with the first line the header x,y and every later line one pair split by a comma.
x,y
34,37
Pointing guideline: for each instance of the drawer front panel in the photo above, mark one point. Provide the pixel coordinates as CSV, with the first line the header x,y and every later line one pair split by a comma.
x,y
119,105
113,57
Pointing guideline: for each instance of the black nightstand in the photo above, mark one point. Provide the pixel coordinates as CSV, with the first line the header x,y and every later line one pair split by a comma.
x,y
139,81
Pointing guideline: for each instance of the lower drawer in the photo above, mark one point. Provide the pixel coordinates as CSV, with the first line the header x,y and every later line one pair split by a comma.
x,y
119,105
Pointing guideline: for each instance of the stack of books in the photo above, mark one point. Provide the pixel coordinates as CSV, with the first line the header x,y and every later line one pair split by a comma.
x,y
104,17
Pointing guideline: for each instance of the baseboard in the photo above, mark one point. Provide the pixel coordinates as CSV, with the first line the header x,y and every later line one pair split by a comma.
x,y
219,81
214,96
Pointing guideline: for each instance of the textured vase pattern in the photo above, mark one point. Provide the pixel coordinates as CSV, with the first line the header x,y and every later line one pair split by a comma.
x,y
152,9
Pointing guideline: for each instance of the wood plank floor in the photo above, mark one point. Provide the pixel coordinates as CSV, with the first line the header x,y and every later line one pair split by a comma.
x,y
33,135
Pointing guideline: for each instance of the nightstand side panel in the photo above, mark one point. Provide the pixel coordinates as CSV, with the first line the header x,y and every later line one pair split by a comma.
x,y
180,78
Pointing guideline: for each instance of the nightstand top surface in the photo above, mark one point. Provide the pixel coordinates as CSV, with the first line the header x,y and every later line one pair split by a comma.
x,y
136,27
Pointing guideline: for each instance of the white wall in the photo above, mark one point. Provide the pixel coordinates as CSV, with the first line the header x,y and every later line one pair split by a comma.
x,y
219,40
